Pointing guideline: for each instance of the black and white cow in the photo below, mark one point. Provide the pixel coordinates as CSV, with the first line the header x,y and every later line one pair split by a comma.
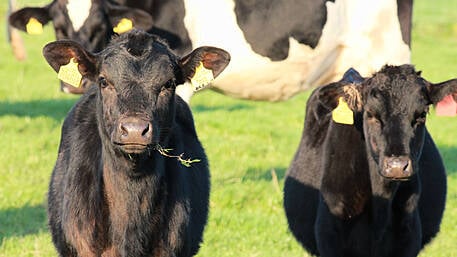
x,y
114,190
278,48
367,178
89,23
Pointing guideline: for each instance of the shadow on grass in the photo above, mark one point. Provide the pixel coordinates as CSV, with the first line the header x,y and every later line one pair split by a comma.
x,y
54,108
22,221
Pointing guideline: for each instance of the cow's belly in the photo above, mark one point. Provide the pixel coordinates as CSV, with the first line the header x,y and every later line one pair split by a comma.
x,y
351,38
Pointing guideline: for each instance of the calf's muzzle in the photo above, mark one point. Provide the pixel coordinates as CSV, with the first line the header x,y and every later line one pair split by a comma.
x,y
133,134
397,167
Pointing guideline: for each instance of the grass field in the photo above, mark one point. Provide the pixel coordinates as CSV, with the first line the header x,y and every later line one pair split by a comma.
x,y
249,146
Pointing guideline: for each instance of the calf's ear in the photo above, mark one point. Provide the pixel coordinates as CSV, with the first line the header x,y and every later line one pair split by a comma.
x,y
204,64
438,91
21,18
60,53
348,88
125,18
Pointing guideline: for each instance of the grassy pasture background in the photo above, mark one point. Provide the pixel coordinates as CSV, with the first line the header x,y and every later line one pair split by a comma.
x,y
249,146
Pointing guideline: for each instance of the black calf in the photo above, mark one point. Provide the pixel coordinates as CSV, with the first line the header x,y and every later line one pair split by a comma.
x,y
367,179
112,193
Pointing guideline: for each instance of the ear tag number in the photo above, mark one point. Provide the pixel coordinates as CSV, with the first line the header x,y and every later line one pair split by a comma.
x,y
34,27
69,73
342,114
123,26
202,77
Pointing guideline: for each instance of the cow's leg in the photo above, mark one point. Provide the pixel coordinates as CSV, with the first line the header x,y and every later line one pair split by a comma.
x,y
80,234
408,236
381,215
83,248
406,220
61,246
404,12
328,232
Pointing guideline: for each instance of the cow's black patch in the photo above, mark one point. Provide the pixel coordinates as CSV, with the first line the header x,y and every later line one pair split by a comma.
x,y
267,24
168,21
405,12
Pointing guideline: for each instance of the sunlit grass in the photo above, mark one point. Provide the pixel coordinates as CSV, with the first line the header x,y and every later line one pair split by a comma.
x,y
249,146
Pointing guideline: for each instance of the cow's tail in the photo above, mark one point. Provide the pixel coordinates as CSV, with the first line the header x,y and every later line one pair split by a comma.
x,y
14,38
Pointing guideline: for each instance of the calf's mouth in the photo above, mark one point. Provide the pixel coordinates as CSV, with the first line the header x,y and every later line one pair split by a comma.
x,y
132,148
133,135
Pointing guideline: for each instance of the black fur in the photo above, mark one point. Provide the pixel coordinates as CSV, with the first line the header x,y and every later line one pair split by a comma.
x,y
104,199
337,196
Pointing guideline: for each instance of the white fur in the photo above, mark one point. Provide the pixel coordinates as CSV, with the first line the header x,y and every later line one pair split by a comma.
x,y
78,11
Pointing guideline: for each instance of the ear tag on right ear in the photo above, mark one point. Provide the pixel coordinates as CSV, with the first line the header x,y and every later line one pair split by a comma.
x,y
342,114
34,27
69,73
202,77
123,26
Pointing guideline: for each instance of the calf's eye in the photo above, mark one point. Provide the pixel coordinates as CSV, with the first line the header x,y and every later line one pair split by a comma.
x,y
102,82
373,119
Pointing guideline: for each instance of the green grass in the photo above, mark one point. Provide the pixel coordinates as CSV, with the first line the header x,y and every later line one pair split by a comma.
x,y
249,144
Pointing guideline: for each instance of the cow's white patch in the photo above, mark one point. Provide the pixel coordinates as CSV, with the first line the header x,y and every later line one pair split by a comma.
x,y
78,12
361,34
364,35
214,23
185,91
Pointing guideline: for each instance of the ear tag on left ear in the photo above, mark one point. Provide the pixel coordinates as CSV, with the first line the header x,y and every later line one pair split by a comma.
x,y
342,114
202,77
34,27
124,25
69,73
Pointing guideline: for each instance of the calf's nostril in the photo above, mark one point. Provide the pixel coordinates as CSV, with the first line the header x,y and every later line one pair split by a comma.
x,y
124,130
147,130
405,165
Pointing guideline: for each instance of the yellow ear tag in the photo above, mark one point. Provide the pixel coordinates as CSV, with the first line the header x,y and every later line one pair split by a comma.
x,y
124,25
342,114
69,73
202,77
34,27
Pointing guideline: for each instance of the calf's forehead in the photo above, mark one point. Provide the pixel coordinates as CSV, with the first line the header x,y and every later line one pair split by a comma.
x,y
122,63
398,93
